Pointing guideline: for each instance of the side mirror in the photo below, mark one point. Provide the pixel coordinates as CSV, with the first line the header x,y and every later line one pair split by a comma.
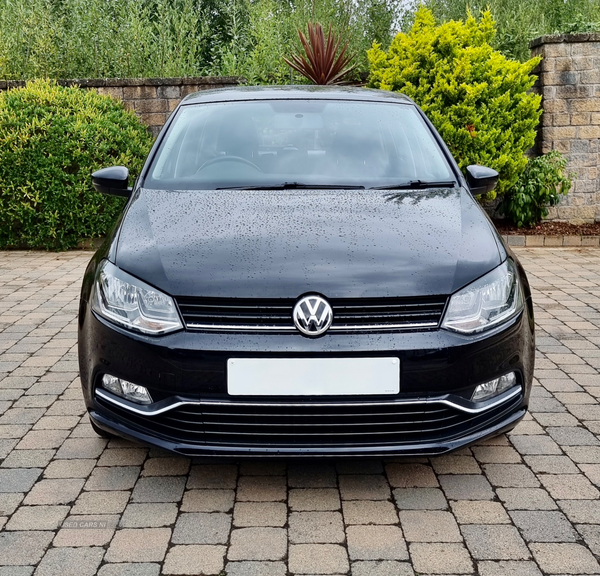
x,y
481,179
112,181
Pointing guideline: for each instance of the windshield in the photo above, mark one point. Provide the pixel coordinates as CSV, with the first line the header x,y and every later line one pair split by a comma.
x,y
293,143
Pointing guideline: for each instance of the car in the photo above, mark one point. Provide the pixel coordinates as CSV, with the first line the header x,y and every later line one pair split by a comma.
x,y
303,271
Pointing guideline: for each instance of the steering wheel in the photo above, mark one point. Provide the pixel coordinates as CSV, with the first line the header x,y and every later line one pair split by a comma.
x,y
228,158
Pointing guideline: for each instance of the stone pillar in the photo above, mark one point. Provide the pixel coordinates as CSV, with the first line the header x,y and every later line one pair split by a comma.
x,y
569,81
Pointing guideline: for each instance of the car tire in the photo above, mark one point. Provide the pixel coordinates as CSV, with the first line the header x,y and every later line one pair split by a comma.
x,y
102,433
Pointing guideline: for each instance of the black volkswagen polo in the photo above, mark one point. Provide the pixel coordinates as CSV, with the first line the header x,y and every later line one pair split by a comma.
x,y
303,271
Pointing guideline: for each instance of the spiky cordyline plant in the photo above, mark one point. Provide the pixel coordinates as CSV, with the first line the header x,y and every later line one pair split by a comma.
x,y
323,64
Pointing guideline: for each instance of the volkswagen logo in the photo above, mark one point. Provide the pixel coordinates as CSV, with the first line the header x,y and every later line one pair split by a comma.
x,y
312,315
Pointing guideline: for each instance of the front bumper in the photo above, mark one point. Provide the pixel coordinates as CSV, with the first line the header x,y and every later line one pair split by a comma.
x,y
193,414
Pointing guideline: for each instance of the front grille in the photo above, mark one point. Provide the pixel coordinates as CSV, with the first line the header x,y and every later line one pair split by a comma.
x,y
275,316
315,424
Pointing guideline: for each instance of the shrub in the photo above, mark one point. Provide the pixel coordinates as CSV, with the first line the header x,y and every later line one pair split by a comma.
x,y
542,183
477,98
51,140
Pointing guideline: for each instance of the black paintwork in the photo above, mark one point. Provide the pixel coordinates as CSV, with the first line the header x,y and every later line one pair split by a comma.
x,y
281,244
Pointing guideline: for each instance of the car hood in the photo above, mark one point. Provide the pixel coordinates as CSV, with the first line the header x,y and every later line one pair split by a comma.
x,y
281,244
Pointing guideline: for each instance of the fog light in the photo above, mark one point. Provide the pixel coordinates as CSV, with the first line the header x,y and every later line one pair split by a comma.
x,y
125,389
494,387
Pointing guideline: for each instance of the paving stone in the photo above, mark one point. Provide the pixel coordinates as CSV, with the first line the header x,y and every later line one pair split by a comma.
x,y
81,448
401,475
510,476
262,468
526,499
208,501
318,559
42,439
9,502
496,454
16,570
223,476
591,536
38,518
258,544
359,466
166,467
139,545
572,436
195,560
18,479
512,567
479,512
316,528
202,528
312,476
55,491
535,445
253,568
302,499
581,511
70,562
452,464
100,503
583,454
69,468
466,487
569,487
261,488
376,543
136,569
544,526
551,464
488,542
113,478
420,499
153,515
248,514
95,530
364,487
122,456
28,459
558,558
369,512
23,548
159,489
381,568
440,558
429,526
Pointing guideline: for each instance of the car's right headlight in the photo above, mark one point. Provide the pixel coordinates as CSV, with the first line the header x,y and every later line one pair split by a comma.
x,y
487,302
131,303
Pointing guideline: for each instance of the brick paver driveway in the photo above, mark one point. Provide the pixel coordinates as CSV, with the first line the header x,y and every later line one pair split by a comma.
x,y
73,504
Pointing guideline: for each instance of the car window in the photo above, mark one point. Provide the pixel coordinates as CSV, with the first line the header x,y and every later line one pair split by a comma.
x,y
312,142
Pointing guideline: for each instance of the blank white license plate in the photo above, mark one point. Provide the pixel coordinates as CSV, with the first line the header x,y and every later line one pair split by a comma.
x,y
312,376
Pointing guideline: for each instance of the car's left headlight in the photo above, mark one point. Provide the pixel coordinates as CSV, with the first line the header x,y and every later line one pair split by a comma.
x,y
129,302
487,302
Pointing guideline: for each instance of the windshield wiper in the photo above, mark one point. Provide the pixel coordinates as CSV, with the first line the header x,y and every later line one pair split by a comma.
x,y
295,186
416,185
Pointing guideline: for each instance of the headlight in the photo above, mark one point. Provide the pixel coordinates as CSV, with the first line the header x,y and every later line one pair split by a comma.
x,y
489,301
127,301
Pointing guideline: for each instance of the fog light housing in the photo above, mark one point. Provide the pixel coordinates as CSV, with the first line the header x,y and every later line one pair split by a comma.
x,y
128,390
494,387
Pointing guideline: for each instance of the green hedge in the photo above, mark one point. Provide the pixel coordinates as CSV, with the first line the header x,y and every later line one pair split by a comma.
x,y
51,140
479,100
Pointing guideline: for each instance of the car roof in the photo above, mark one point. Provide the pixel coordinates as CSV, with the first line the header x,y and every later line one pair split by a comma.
x,y
241,93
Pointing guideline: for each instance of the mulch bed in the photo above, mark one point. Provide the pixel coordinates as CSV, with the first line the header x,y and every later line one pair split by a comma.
x,y
549,229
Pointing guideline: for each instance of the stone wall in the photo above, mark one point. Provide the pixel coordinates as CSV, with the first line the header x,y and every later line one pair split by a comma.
x,y
152,99
569,81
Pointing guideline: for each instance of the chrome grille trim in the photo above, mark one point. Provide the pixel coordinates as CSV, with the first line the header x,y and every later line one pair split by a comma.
x,y
275,315
149,411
